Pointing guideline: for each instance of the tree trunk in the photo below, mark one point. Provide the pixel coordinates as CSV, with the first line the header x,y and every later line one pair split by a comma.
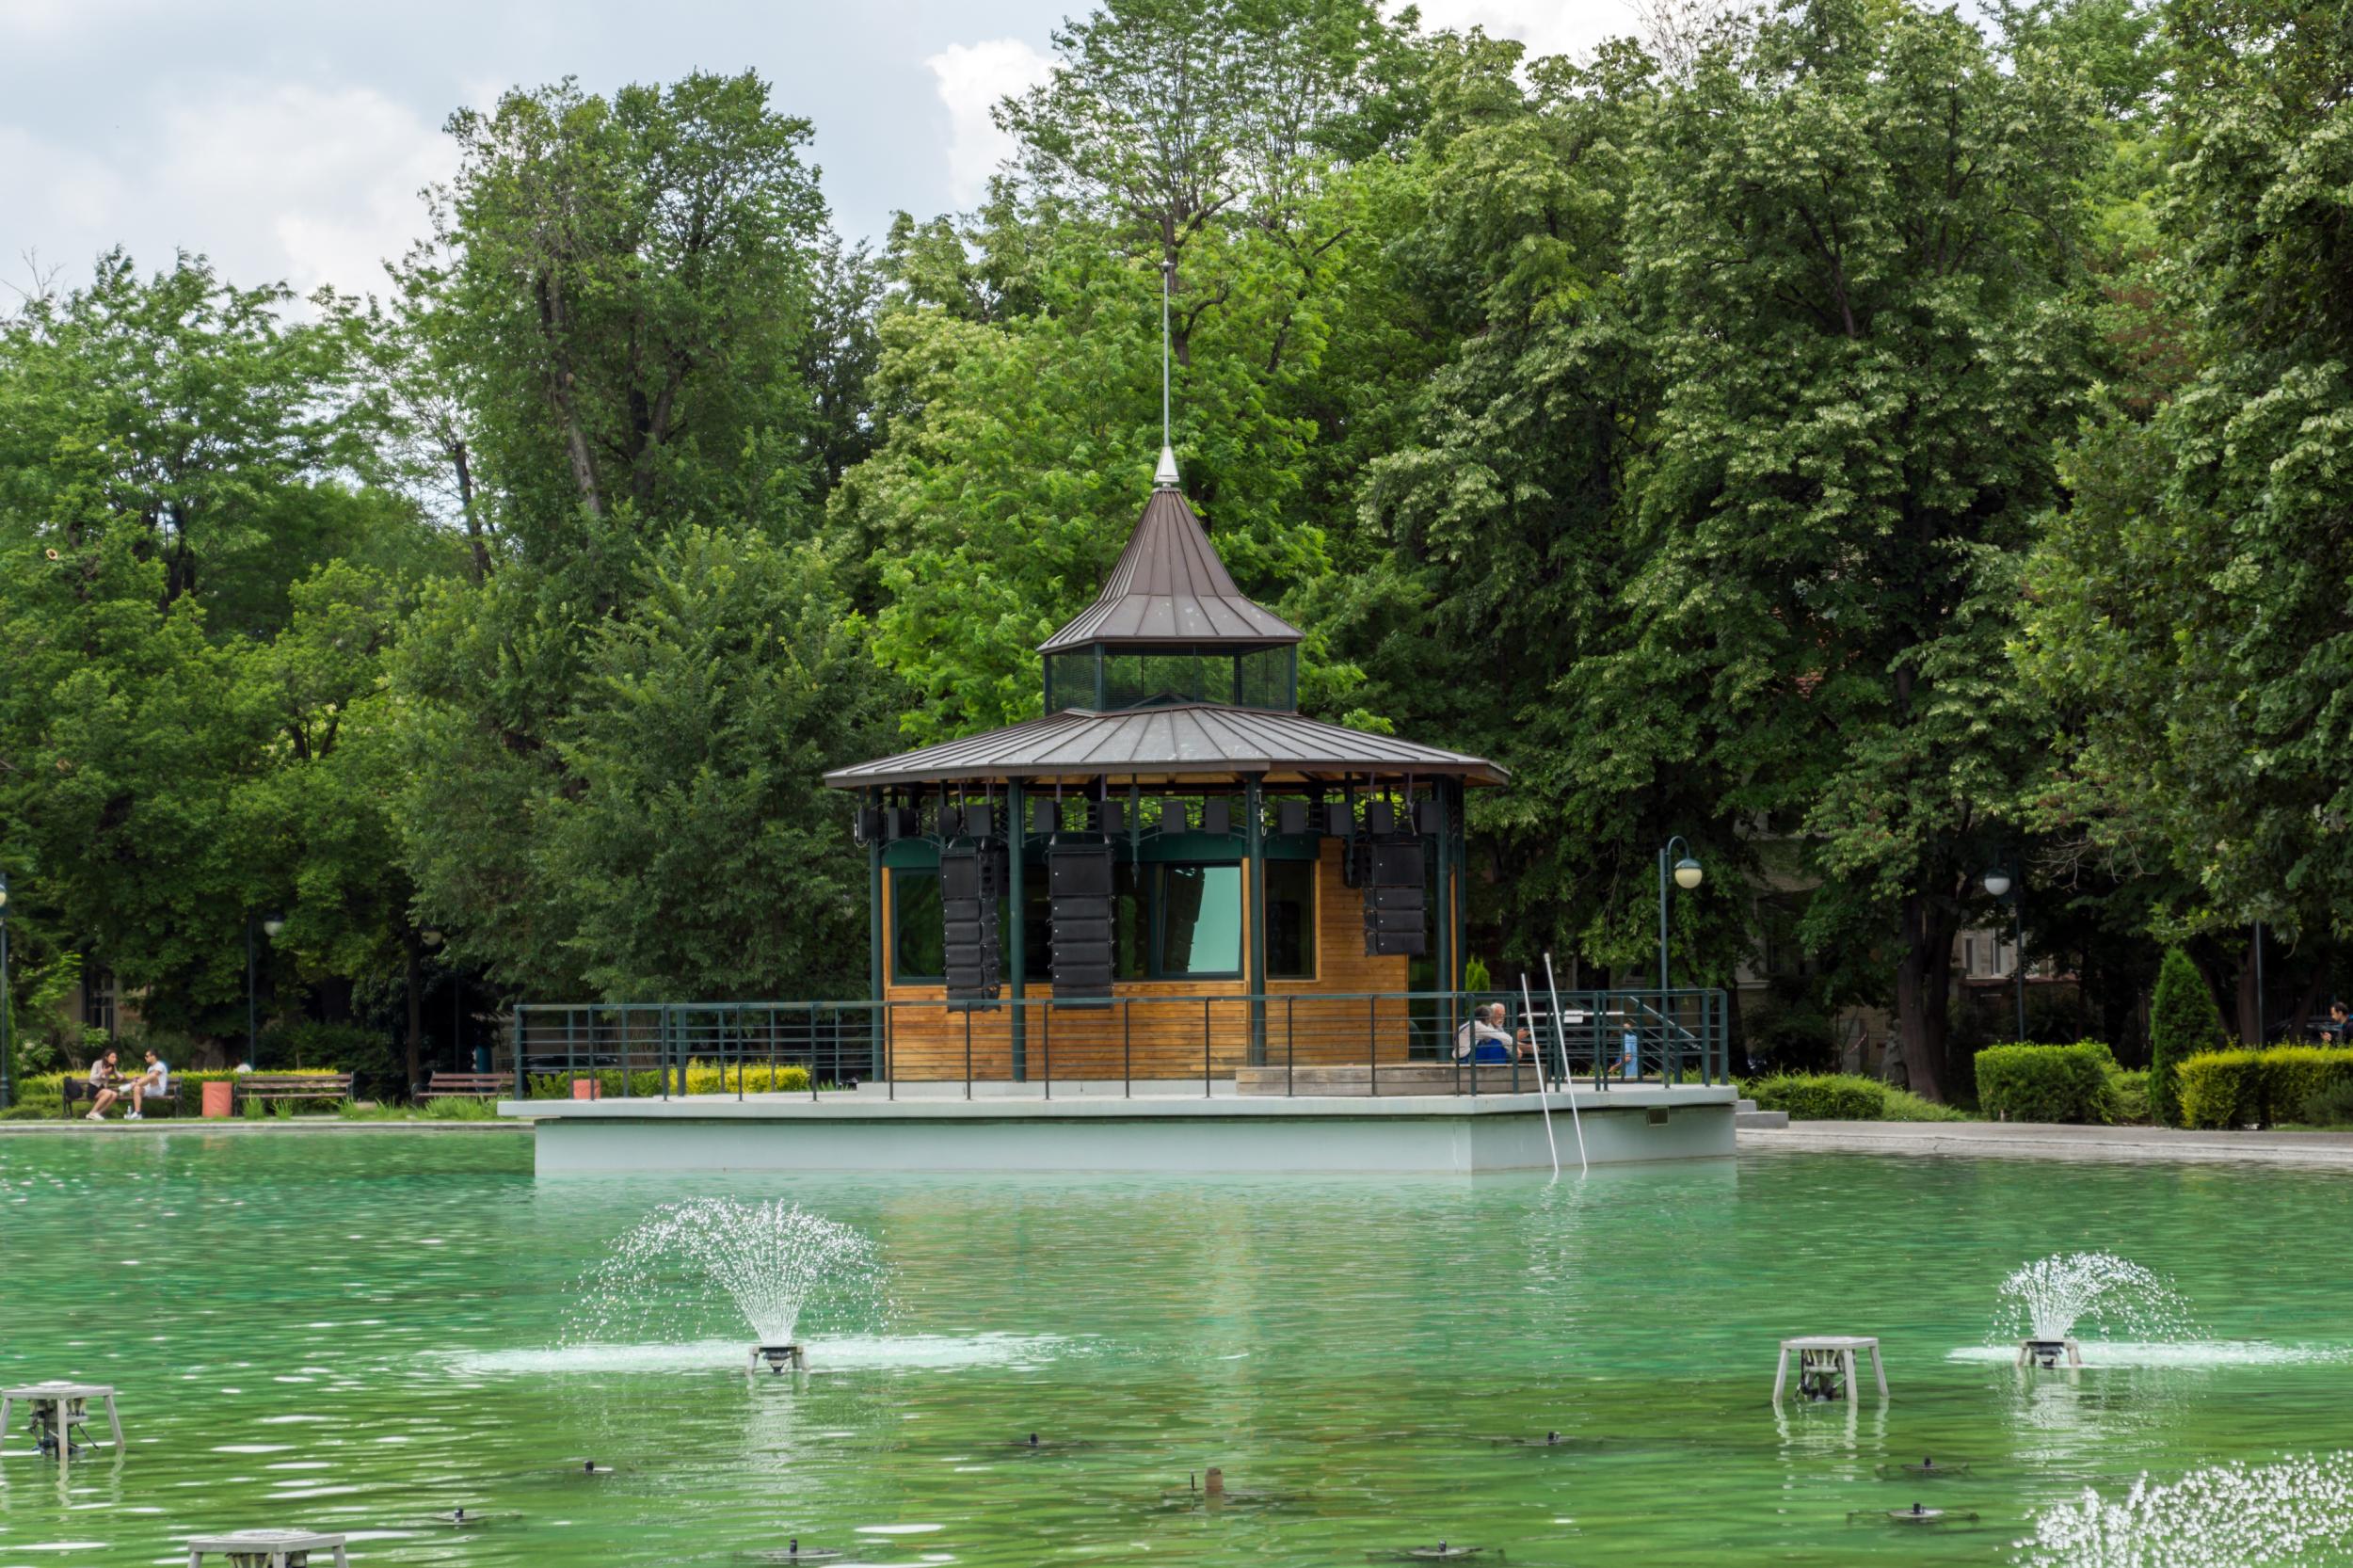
x,y
463,464
2249,999
1924,976
415,1064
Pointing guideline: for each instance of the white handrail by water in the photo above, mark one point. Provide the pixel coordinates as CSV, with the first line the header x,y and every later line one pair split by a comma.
x,y
1527,1010
1560,1038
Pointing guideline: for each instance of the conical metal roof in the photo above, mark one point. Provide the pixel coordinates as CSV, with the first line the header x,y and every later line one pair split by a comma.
x,y
1169,586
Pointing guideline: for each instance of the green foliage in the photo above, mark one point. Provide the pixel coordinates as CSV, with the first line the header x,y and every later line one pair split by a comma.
x,y
1844,1097
2128,1096
1475,976
702,1078
2047,1083
2238,1088
2183,1021
2330,1106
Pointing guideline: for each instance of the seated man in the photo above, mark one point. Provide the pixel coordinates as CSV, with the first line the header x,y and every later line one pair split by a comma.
x,y
156,1080
102,1083
1485,1038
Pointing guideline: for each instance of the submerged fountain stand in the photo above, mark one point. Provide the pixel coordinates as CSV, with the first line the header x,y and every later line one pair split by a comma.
x,y
267,1548
1826,1367
2048,1354
57,1409
780,1359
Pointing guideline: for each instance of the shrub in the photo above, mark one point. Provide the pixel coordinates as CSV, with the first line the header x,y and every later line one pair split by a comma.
x,y
1822,1097
2330,1106
2183,1021
702,1078
2046,1083
2128,1095
1902,1105
2232,1088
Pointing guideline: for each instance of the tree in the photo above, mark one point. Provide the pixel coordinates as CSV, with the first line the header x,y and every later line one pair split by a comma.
x,y
2190,603
2183,1021
1852,255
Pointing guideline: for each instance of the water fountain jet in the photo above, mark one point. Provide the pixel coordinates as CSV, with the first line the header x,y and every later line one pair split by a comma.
x,y
2049,1298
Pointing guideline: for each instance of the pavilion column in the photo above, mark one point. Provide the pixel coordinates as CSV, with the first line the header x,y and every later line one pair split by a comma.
x,y
1457,912
877,944
1449,958
1254,851
1016,918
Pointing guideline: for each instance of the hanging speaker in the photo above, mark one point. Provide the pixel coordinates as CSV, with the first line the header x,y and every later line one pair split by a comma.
x,y
1380,818
1173,816
1428,819
1217,816
980,821
1046,817
1290,816
1111,816
1079,878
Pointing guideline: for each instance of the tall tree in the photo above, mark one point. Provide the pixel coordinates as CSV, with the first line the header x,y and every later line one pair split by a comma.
x,y
1853,252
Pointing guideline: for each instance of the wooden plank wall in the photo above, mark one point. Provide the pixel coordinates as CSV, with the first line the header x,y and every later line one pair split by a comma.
x,y
1146,1033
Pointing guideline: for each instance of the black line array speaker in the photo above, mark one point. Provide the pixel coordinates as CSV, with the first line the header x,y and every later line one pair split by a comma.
x,y
1078,879
971,878
1391,874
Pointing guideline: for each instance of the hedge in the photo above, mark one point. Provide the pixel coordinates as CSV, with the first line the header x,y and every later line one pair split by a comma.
x,y
702,1078
47,1089
1843,1098
2234,1088
2047,1083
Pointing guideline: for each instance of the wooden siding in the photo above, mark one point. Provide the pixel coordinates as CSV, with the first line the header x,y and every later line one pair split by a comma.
x,y
1147,1032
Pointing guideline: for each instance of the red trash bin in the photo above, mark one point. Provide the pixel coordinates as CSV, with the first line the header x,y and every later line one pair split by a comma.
x,y
218,1097
588,1089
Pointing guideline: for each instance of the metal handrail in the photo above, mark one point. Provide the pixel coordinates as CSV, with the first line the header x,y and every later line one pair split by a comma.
x,y
742,1048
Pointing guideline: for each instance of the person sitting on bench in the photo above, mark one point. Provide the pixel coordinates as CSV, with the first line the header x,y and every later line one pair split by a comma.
x,y
1485,1038
101,1086
156,1081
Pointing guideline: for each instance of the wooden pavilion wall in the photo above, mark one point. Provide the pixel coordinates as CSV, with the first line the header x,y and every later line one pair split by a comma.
x,y
1155,1036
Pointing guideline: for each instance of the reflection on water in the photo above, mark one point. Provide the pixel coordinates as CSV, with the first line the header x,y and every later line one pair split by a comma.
x,y
364,1333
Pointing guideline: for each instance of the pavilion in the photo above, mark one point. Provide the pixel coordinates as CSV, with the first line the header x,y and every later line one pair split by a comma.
x,y
1172,874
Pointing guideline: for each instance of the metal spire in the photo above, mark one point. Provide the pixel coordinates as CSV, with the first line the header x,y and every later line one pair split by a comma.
x,y
1165,477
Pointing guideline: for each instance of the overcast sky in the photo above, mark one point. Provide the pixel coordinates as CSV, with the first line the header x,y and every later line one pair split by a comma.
x,y
288,139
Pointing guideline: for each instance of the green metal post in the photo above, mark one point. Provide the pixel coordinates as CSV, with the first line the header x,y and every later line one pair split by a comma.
x,y
877,945
1017,944
1448,958
1254,852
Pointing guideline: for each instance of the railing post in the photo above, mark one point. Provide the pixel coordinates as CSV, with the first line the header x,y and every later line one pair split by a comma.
x,y
891,1075
967,1052
1127,1047
1046,1046
1372,1039
1205,1047
812,1055
514,1034
1290,1042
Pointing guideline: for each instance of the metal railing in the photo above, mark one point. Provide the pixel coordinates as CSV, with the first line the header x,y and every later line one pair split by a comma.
x,y
1281,1043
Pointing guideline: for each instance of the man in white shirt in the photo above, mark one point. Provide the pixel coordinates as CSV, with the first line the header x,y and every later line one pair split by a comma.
x,y
156,1080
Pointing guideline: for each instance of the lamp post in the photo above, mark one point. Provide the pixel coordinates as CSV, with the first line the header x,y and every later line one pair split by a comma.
x,y
1686,874
271,926
7,1055
2005,888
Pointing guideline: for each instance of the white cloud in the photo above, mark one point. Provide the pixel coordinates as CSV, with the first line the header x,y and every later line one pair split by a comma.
x,y
1546,26
971,78
308,185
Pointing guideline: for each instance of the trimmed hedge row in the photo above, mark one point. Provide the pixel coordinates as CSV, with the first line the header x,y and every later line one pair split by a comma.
x,y
2047,1083
1843,1098
2235,1088
702,1078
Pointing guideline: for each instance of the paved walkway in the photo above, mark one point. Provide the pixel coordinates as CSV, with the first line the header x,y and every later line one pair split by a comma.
x,y
2053,1141
239,1126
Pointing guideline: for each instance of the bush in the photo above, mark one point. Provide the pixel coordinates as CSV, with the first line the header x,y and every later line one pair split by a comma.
x,y
367,1054
2046,1083
2128,1095
1821,1096
2234,1088
702,1078
2330,1106
1902,1105
2183,1021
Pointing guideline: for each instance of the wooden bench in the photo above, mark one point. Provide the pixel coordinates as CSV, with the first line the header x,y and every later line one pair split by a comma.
x,y
467,1086
77,1090
294,1086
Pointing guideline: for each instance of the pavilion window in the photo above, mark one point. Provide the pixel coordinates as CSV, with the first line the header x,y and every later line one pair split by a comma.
x,y
1199,921
919,937
1291,919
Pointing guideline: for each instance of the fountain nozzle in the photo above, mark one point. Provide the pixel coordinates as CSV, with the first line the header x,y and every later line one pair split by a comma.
x,y
779,1358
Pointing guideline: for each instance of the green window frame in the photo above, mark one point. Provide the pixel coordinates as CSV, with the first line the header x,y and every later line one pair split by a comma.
x,y
1197,920
918,934
1291,919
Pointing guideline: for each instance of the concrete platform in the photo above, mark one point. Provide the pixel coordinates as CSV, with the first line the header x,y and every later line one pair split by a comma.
x,y
1094,1131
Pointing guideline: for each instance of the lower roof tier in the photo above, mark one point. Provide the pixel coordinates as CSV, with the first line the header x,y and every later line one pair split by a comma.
x,y
1182,742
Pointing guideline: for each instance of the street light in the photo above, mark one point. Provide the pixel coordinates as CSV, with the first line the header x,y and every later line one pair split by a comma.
x,y
6,1055
2003,887
1688,876
271,926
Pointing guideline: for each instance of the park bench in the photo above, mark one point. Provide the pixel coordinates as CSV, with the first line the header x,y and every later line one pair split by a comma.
x,y
75,1091
467,1086
294,1086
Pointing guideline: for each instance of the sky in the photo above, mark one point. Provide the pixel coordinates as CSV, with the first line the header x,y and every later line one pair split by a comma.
x,y
288,139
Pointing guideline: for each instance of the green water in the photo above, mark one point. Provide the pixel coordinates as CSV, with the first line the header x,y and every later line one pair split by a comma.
x,y
334,1331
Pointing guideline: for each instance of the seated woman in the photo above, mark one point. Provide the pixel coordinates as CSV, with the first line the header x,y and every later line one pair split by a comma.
x,y
103,1090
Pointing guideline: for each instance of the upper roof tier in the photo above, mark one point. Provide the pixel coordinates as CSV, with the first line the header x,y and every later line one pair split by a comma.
x,y
1169,586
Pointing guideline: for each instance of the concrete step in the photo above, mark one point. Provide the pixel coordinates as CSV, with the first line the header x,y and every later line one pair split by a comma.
x,y
1743,1105
1753,1118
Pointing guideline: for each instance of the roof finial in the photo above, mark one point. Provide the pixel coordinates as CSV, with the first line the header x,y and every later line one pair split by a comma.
x,y
1165,477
